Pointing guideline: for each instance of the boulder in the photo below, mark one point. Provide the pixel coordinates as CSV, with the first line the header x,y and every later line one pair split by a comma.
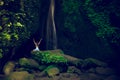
x,y
26,62
22,75
73,69
91,63
52,70
8,68
104,71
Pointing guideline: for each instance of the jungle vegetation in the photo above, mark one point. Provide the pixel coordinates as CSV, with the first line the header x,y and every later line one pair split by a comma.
x,y
21,19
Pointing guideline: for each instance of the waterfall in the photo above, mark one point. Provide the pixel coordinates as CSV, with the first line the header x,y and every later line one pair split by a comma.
x,y
51,37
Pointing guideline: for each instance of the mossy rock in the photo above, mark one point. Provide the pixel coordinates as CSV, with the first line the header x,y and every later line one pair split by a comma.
x,y
22,75
49,56
91,62
26,62
52,70
8,68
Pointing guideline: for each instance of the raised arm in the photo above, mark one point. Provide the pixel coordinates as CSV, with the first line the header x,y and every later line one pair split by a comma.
x,y
35,42
39,42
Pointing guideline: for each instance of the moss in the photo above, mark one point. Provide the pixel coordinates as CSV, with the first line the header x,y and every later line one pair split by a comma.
x,y
1,55
52,70
24,62
48,57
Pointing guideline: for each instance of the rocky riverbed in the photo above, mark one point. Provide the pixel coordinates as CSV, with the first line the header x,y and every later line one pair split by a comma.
x,y
54,65
88,71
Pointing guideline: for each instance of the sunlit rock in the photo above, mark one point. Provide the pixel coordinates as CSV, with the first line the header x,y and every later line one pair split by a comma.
x,y
8,68
23,75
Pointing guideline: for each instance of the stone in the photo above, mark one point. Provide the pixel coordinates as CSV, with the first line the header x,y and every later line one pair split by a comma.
x,y
66,75
93,76
52,70
73,69
104,71
22,75
112,77
8,68
90,76
40,74
91,70
91,62
26,62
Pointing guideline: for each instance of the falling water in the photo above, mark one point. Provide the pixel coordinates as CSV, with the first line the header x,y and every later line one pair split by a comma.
x,y
51,37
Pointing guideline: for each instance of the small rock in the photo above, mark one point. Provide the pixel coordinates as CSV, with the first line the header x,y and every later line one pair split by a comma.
x,y
93,76
73,69
52,70
40,74
91,70
112,77
104,71
43,78
66,75
90,76
84,77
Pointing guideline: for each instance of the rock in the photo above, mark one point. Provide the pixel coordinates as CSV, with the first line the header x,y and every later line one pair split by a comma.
x,y
84,77
22,75
40,74
112,77
73,69
91,70
66,75
90,76
90,62
93,76
52,70
42,67
8,68
104,71
26,62
69,75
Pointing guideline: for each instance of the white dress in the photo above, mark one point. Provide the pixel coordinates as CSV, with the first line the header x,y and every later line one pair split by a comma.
x,y
36,49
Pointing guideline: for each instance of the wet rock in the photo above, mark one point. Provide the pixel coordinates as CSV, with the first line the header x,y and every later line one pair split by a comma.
x,y
90,62
91,70
52,70
8,68
40,74
104,71
84,77
22,75
26,62
73,69
43,78
68,75
90,76
93,76
112,77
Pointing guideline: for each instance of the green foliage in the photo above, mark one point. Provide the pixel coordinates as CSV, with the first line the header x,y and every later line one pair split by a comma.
x,y
13,30
1,55
48,57
71,12
99,16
